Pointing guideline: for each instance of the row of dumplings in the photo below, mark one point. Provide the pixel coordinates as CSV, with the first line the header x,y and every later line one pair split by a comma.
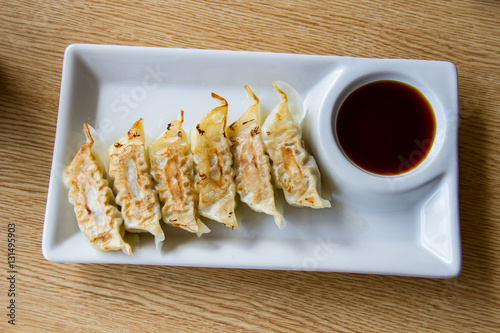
x,y
177,178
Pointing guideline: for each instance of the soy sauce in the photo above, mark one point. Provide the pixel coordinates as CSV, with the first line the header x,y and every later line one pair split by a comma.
x,y
386,127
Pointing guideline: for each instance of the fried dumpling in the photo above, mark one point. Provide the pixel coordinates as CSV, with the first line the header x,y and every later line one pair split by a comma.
x,y
253,177
129,172
294,169
172,170
215,176
98,217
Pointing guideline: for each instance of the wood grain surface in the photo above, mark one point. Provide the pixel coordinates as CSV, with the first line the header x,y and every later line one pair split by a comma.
x,y
125,298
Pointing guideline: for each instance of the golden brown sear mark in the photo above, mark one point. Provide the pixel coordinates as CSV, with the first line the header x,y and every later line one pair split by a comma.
x,y
133,134
243,123
255,131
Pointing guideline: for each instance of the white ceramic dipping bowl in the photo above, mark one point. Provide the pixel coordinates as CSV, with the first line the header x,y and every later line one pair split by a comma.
x,y
347,181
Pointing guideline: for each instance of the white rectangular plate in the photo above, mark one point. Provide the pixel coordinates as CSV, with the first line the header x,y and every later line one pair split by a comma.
x,y
110,87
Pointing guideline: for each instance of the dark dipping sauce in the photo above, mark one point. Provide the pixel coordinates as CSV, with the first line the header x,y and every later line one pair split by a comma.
x,y
386,127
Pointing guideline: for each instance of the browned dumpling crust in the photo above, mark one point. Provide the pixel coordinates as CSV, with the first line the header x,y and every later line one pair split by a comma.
x,y
294,169
172,170
129,171
97,216
214,177
251,163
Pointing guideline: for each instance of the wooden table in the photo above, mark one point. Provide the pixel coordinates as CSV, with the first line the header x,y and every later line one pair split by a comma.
x,y
86,297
